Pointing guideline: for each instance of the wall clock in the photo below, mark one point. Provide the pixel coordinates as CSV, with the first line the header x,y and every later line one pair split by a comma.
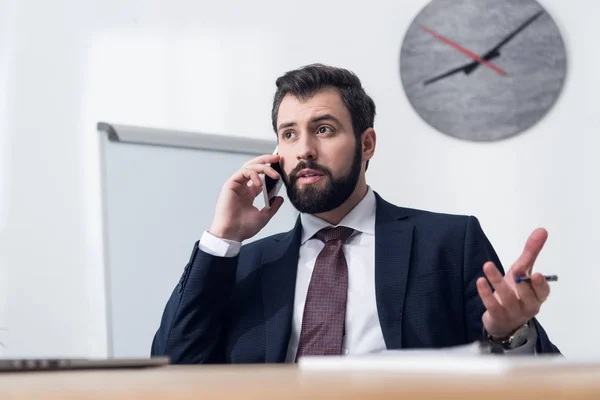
x,y
483,70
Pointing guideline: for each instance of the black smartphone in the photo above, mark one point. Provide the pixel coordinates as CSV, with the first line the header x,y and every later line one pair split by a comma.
x,y
271,186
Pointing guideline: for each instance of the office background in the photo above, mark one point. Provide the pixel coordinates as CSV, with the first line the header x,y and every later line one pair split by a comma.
x,y
208,66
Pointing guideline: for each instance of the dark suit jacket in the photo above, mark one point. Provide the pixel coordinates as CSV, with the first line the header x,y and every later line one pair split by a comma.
x,y
239,310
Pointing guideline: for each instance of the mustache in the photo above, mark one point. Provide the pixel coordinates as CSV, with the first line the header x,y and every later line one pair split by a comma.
x,y
308,165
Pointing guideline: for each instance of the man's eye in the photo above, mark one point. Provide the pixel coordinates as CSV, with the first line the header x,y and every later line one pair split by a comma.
x,y
288,135
325,129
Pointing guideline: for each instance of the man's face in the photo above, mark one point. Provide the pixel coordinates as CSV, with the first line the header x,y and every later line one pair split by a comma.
x,y
320,156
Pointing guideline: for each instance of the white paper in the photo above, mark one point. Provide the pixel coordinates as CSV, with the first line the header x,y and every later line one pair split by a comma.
x,y
467,359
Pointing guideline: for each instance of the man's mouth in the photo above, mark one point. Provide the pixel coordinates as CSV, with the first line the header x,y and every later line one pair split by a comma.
x,y
309,176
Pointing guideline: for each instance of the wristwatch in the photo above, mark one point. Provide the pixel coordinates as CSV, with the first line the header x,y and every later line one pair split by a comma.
x,y
516,339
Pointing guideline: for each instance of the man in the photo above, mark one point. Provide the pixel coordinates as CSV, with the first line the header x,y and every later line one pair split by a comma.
x,y
356,274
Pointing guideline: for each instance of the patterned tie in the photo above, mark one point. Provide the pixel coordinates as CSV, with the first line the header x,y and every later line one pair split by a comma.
x,y
325,309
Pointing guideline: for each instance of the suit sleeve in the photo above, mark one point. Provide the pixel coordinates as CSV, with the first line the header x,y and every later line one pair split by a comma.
x,y
477,251
194,322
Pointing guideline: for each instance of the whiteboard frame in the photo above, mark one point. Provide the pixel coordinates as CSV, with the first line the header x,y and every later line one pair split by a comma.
x,y
158,137
174,138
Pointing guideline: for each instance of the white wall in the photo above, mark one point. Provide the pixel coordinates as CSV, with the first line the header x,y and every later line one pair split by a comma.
x,y
210,67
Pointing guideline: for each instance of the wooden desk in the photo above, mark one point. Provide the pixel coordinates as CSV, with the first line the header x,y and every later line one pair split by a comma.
x,y
288,382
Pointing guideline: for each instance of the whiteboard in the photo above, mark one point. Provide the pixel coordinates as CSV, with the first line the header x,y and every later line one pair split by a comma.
x,y
159,189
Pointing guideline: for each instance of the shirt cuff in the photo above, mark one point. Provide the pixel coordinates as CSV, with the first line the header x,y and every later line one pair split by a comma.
x,y
219,247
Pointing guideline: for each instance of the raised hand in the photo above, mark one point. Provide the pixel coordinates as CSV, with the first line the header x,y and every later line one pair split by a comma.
x,y
236,217
511,305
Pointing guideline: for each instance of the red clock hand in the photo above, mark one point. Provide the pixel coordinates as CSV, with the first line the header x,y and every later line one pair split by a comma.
x,y
464,51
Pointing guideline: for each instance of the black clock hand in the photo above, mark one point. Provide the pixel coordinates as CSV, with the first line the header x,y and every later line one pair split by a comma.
x,y
496,50
514,33
473,66
467,69
490,55
449,73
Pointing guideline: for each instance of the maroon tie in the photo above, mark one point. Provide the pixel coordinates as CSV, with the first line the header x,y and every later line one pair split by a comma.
x,y
325,309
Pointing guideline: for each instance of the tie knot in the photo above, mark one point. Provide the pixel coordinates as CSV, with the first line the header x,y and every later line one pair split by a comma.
x,y
338,233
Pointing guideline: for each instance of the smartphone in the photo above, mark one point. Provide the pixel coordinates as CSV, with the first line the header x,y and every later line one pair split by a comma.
x,y
271,186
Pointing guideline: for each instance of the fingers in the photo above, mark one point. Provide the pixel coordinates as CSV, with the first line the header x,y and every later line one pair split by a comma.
x,y
504,293
261,165
252,173
490,302
510,305
263,169
275,206
524,265
540,287
244,175
530,303
255,190
251,169
264,159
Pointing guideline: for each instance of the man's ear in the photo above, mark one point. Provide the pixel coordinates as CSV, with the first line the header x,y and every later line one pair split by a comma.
x,y
369,141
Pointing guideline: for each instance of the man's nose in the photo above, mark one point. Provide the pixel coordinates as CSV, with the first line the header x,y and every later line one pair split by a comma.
x,y
306,148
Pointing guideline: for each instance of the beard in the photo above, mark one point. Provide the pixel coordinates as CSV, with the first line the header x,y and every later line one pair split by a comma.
x,y
311,200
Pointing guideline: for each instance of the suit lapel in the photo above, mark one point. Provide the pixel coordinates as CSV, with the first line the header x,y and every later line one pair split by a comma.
x,y
279,267
393,242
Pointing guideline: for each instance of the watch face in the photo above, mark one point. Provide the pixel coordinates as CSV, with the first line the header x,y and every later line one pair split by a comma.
x,y
483,70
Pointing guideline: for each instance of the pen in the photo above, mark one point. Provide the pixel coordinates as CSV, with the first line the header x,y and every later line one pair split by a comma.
x,y
548,278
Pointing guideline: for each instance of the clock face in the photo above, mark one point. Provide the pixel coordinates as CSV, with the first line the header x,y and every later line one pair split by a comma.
x,y
483,70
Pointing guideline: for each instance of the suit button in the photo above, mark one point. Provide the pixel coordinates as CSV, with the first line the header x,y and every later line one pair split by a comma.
x,y
179,288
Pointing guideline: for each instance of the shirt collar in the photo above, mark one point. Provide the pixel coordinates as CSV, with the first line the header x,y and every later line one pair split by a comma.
x,y
361,218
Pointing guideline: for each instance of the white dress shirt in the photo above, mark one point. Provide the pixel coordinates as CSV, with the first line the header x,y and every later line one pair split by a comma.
x,y
363,330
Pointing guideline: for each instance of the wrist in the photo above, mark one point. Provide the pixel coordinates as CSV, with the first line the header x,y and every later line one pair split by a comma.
x,y
225,234
502,337
510,341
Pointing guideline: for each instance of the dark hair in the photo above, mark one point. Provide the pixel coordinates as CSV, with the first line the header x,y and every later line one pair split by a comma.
x,y
304,82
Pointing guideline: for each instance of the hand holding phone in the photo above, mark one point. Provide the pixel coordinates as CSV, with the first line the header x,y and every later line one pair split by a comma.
x,y
236,217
